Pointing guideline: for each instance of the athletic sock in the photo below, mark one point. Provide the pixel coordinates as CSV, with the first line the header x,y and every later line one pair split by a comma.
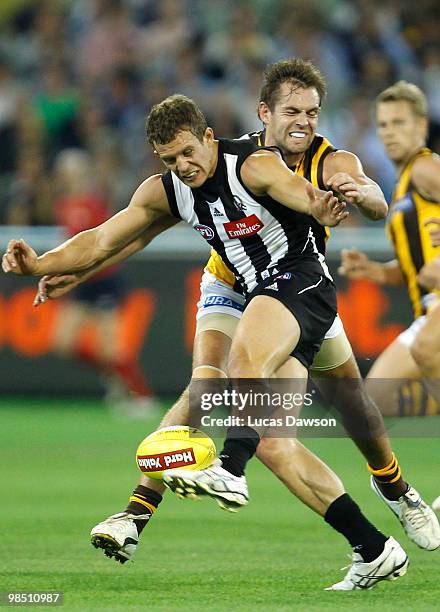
x,y
389,479
345,516
237,450
143,501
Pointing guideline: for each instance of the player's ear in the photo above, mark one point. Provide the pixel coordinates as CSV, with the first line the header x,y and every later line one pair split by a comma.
x,y
264,112
424,123
208,136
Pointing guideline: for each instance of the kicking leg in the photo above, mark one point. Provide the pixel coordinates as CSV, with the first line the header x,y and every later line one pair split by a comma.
x,y
343,388
119,535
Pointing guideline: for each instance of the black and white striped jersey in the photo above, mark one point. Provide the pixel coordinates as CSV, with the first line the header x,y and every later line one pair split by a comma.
x,y
252,234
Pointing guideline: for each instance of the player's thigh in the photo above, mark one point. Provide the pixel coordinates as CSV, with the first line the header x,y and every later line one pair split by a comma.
x,y
335,357
393,366
425,349
395,362
218,313
266,335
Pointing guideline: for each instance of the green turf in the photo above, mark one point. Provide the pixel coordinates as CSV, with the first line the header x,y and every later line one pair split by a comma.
x,y
66,465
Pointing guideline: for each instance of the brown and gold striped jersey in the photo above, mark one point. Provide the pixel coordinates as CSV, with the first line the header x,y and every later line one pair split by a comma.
x,y
412,244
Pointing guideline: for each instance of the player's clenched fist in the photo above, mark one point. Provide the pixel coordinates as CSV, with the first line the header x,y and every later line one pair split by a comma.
x,y
19,258
346,186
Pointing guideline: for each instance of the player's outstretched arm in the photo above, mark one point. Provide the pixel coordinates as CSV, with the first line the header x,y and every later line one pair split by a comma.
x,y
265,173
56,285
344,174
89,248
356,265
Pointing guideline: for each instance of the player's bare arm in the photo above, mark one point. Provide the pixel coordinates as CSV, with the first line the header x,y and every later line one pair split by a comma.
x,y
56,285
356,265
344,174
264,173
89,248
425,176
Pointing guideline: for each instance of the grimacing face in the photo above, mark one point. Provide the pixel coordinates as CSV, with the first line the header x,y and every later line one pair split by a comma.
x,y
292,123
192,161
401,131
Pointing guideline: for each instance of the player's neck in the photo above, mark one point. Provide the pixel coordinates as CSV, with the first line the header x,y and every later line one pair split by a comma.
x,y
292,159
400,165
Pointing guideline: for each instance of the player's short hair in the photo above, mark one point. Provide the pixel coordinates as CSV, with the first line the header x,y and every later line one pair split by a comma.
x,y
298,72
173,114
402,90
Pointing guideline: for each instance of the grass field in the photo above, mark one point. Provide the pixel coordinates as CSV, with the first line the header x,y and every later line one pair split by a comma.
x,y
68,464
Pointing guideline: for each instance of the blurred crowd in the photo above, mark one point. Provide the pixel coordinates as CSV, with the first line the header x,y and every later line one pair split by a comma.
x,y
82,74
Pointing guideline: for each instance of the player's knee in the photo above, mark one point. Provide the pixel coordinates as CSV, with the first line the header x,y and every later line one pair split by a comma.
x,y
244,362
424,351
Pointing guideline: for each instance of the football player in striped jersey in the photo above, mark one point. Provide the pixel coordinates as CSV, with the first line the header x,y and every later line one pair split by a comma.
x,y
402,121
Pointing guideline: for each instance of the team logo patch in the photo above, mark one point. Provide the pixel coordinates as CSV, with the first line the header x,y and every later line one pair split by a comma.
x,y
248,226
239,204
206,232
162,461
285,276
221,300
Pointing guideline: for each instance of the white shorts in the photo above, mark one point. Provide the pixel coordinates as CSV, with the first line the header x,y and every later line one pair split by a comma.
x,y
221,301
218,298
408,336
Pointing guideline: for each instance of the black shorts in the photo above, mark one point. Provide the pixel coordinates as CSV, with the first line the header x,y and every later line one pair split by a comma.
x,y
311,298
101,293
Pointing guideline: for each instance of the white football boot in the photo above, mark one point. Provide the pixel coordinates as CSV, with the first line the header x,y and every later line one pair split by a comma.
x,y
418,519
117,535
391,564
229,491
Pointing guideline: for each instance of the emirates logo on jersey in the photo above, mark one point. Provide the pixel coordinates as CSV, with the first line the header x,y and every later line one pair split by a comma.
x,y
248,226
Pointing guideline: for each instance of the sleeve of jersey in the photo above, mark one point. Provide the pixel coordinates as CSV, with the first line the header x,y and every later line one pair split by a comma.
x,y
167,181
251,150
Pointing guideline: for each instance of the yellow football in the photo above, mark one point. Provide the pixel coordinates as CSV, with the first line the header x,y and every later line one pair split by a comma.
x,y
174,447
